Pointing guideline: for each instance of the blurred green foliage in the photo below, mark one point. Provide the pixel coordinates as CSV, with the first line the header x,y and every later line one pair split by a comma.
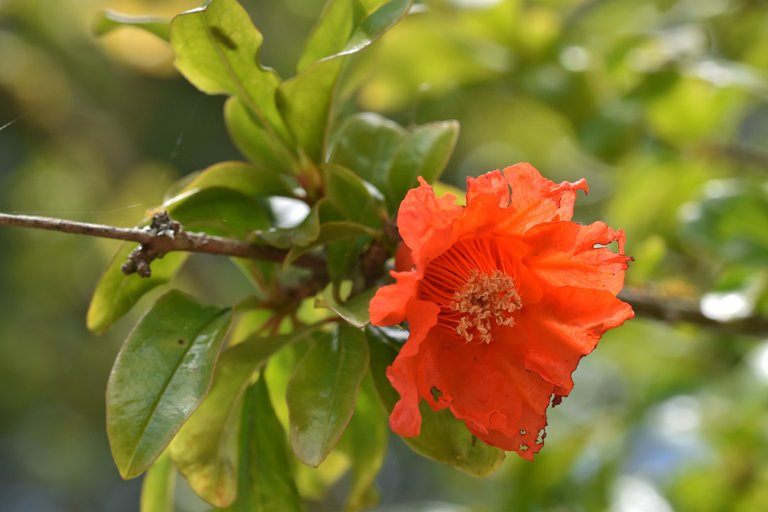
x,y
660,105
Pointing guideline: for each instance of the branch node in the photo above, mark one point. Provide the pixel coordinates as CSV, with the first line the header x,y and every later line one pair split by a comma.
x,y
163,229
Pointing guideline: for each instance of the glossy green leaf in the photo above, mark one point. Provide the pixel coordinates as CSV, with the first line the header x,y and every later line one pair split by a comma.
x,y
443,438
322,393
424,153
299,236
253,140
390,157
305,102
205,450
219,211
217,49
250,180
157,489
117,293
349,193
265,475
365,444
346,27
367,143
107,21
354,311
160,376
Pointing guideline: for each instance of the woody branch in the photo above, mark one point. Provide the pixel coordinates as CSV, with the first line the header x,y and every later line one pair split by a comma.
x,y
164,235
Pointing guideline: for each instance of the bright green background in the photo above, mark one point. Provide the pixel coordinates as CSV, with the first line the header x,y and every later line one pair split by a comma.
x,y
660,105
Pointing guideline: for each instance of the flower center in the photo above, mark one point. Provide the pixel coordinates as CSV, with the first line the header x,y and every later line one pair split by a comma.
x,y
485,299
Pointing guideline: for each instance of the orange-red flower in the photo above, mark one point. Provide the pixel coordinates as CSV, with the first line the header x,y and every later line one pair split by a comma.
x,y
502,297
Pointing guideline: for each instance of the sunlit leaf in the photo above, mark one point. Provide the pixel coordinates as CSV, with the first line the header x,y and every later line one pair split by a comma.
x,y
217,49
249,180
254,141
348,27
161,374
265,475
106,21
305,103
443,437
322,392
158,486
205,450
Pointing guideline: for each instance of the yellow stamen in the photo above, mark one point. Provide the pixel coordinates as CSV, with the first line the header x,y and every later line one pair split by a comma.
x,y
484,300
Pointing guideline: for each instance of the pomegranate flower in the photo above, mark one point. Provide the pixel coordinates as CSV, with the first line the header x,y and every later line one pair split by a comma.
x,y
502,297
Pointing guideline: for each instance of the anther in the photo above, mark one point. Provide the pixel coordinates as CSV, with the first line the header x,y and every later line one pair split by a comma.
x,y
484,300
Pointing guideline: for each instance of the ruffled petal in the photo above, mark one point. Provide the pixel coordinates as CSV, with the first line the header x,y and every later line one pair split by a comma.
x,y
565,254
403,372
426,222
389,305
565,326
491,186
486,386
536,199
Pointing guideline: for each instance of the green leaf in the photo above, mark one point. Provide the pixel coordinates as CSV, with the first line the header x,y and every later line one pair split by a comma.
x,y
217,49
424,153
158,486
299,236
354,311
117,293
321,395
349,193
305,102
254,141
160,376
205,450
365,444
390,157
367,143
347,27
266,477
250,180
106,21
219,211
330,232
443,438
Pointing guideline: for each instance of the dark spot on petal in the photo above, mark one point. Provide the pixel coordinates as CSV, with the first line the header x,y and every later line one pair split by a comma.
x,y
523,432
556,400
223,38
436,393
523,447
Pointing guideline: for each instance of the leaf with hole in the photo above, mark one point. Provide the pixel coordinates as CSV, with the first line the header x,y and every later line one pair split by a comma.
x,y
160,376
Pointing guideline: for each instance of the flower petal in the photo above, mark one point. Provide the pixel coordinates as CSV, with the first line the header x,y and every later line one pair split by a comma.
x,y
486,386
536,199
426,222
402,373
565,326
389,305
564,254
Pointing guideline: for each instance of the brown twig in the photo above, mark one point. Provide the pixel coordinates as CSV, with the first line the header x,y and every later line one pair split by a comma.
x,y
675,309
161,237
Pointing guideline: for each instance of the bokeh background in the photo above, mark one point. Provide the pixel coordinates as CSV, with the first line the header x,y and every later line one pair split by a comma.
x,y
661,105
